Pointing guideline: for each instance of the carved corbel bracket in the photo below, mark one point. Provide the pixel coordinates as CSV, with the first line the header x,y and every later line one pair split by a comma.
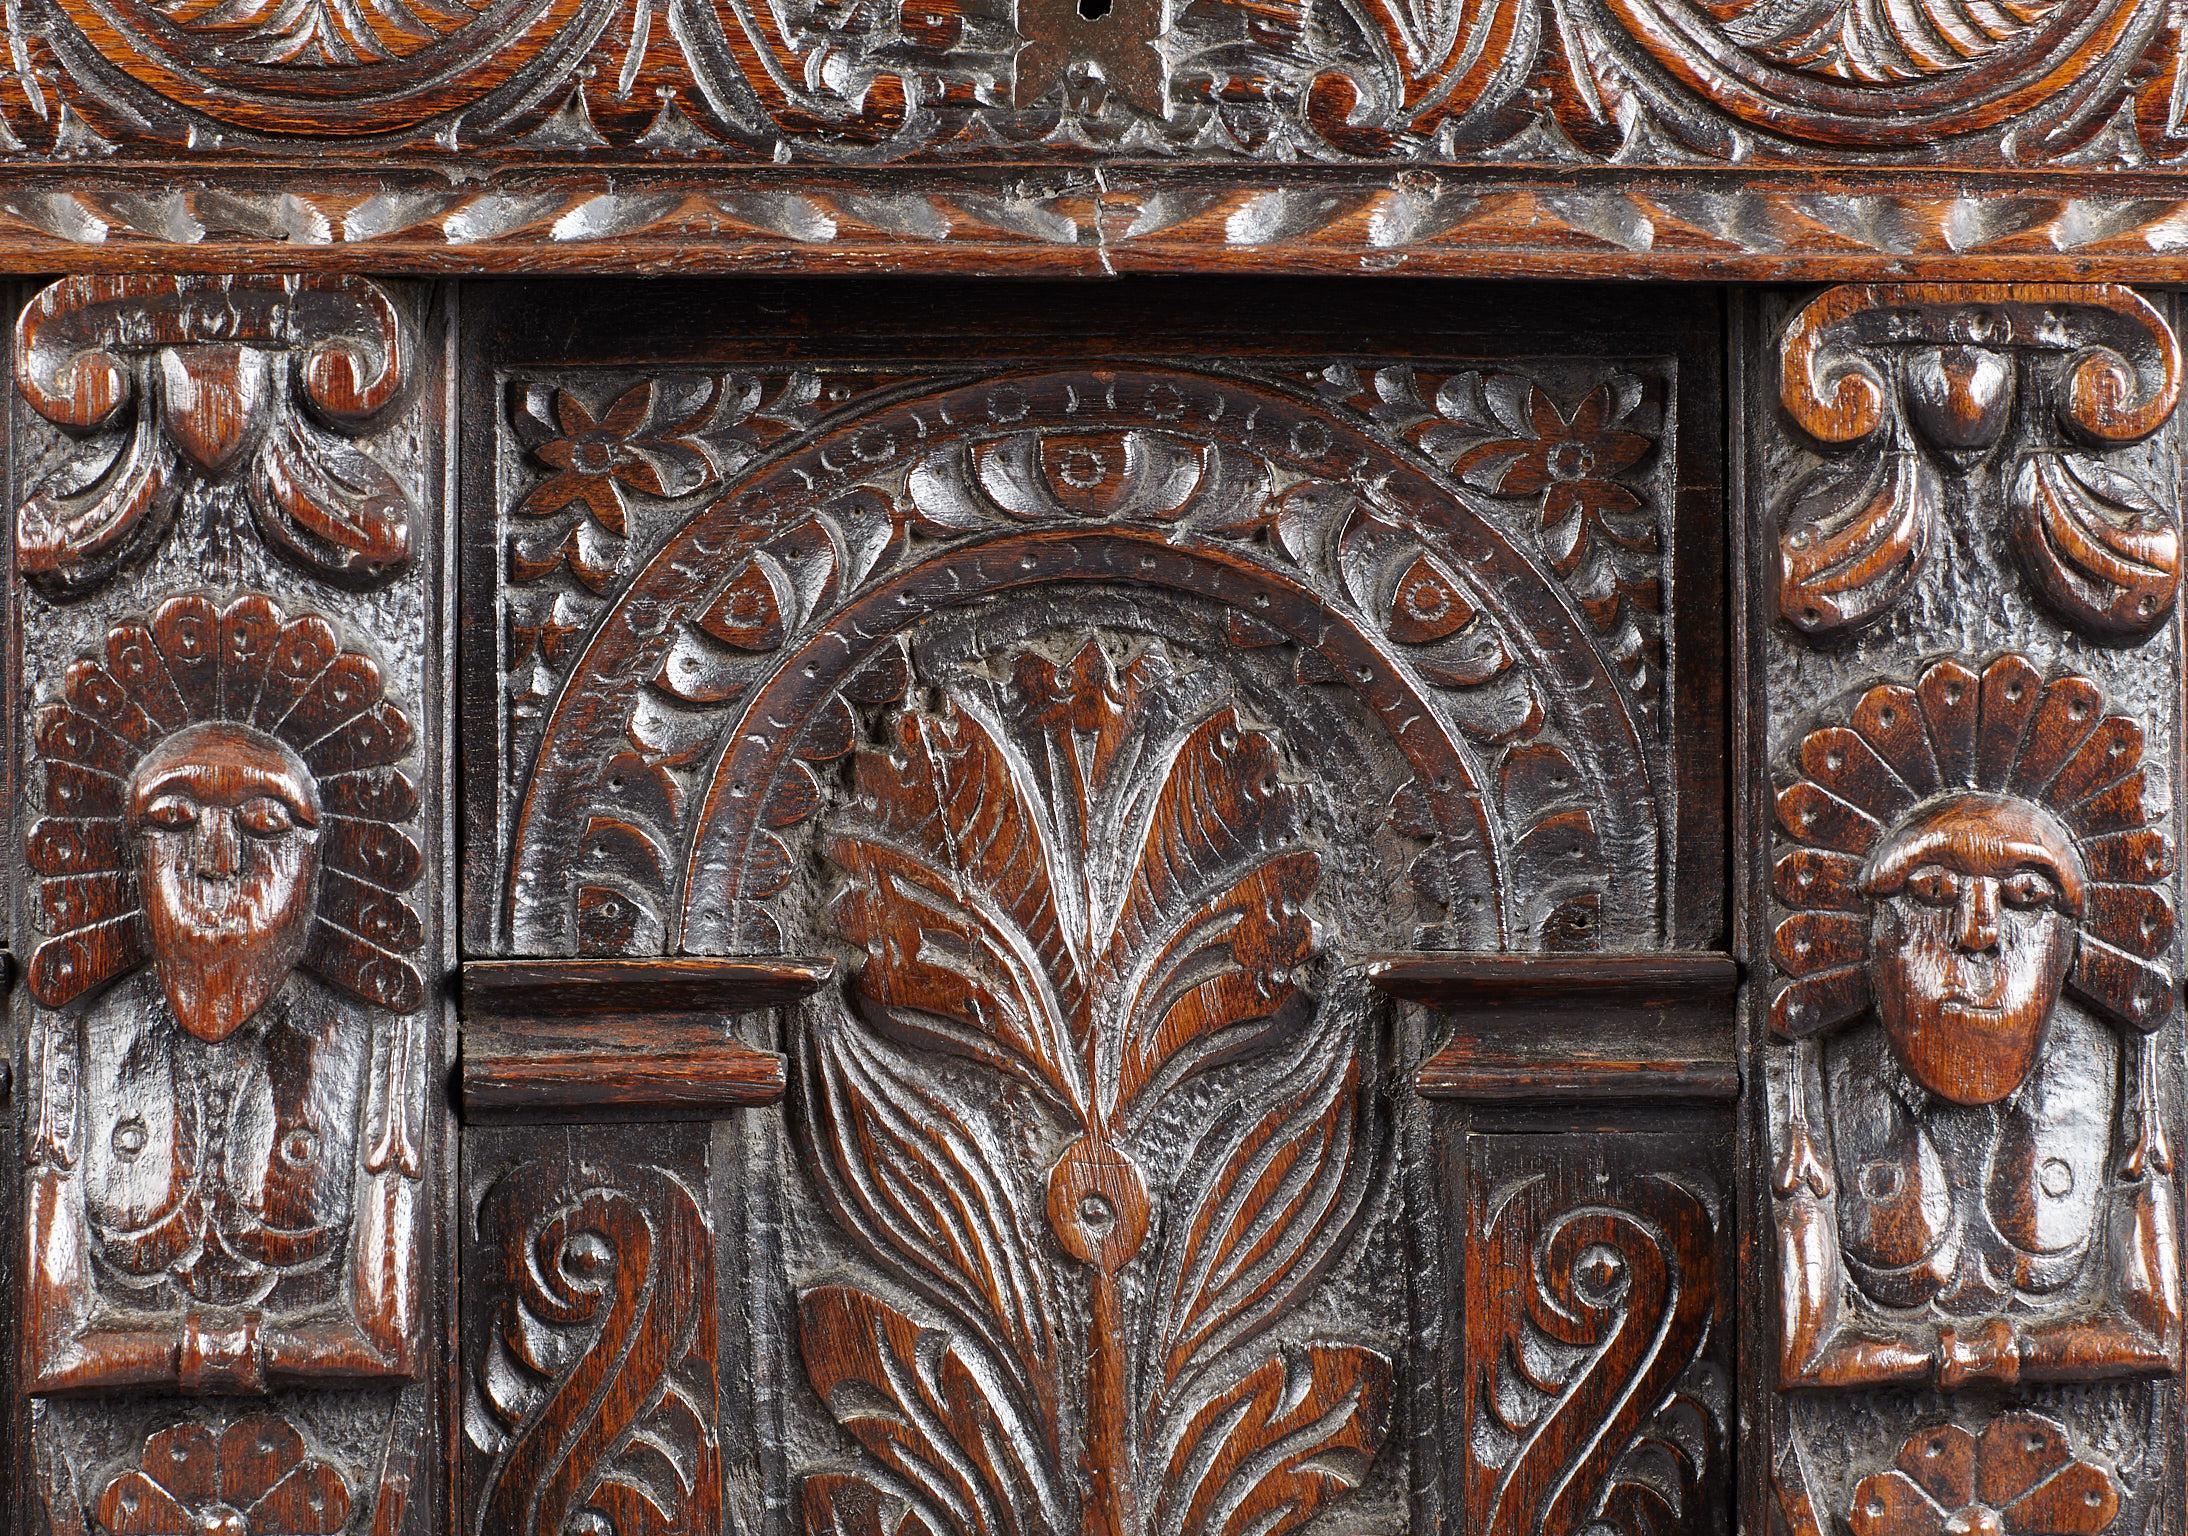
x,y
173,380
1573,1028
1926,381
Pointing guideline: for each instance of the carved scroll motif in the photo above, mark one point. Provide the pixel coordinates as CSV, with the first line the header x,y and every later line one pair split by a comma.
x,y
595,1392
1977,926
174,381
225,1153
1926,383
1598,1402
1096,901
1625,81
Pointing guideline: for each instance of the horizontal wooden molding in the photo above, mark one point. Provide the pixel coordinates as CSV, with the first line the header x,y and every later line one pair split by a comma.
x,y
612,1039
1453,220
1597,1028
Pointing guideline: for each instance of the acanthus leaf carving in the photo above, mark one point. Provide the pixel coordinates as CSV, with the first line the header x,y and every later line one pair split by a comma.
x,y
1923,382
175,380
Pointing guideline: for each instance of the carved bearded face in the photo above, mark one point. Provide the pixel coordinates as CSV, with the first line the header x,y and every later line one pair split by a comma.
x,y
225,821
1976,899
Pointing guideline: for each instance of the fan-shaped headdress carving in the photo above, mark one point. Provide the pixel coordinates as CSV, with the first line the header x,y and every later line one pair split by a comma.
x,y
2007,733
245,665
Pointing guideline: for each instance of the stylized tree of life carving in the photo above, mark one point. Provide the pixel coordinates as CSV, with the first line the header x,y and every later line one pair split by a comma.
x,y
241,692
1073,885
1967,849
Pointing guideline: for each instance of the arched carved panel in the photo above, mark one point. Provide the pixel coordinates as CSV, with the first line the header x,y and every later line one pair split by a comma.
x,y
1101,721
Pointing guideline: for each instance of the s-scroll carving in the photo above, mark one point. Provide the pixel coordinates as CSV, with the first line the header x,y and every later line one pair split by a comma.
x,y
596,1396
225,1147
170,381
1925,382
1973,1181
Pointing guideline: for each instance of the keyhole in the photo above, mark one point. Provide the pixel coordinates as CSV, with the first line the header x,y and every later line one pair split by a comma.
x,y
1094,10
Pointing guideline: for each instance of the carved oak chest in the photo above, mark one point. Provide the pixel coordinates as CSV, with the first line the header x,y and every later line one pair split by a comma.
x,y
1016,768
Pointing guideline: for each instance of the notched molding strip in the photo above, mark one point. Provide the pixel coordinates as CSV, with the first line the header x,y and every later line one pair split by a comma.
x,y
613,1039
1643,1027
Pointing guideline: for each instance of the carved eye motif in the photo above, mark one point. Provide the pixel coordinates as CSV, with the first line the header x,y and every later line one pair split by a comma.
x,y
170,813
297,1148
264,817
129,1139
2029,889
1934,886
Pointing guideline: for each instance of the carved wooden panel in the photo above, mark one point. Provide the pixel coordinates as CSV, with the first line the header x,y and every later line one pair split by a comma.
x,y
1967,552
229,744
1595,1389
1106,703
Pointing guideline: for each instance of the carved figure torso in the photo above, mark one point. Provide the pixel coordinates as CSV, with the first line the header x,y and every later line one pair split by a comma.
x,y
221,1172
1960,1208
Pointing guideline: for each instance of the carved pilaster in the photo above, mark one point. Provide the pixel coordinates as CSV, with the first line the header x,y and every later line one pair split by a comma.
x,y
229,739
1966,551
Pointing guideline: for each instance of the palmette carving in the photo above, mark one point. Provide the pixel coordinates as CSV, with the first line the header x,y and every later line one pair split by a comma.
x,y
1961,1193
1096,899
255,1477
595,1391
171,381
1926,382
224,1164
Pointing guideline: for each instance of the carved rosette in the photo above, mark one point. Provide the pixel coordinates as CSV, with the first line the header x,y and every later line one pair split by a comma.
x,y
263,383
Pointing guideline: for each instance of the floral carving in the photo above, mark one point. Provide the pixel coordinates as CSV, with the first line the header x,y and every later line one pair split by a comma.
x,y
250,380
597,461
1095,899
2018,1476
255,1477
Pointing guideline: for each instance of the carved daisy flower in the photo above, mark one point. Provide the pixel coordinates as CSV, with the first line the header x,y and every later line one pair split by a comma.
x,y
2019,1477
253,1478
1572,460
598,460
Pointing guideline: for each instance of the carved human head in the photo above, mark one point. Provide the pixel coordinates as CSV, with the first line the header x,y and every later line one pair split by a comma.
x,y
224,800
1959,853
225,823
1975,902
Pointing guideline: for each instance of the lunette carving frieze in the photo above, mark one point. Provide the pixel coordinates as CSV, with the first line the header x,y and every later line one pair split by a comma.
x,y
1085,716
1610,81
1972,889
